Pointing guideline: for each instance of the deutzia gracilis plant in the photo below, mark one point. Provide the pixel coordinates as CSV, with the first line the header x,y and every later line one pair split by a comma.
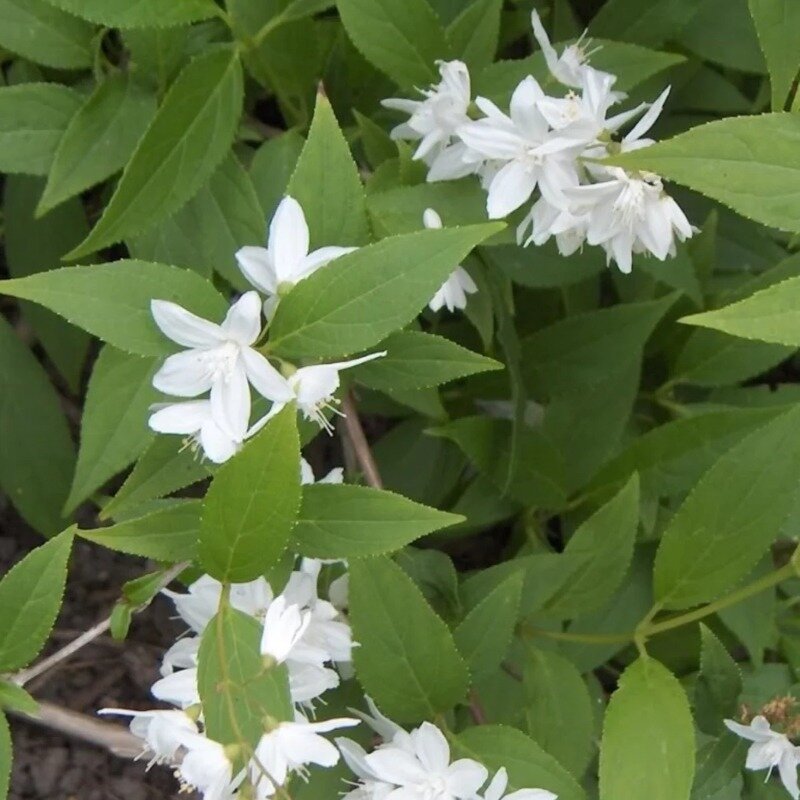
x,y
432,366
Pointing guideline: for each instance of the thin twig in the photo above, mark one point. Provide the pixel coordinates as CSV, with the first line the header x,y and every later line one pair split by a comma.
x,y
359,441
25,675
476,708
114,738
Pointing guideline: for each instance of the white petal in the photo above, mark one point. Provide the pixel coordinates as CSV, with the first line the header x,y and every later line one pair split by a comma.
x,y
432,748
754,732
230,402
319,258
495,790
184,327
648,120
465,777
183,374
394,765
509,189
450,164
490,140
340,365
327,725
266,380
242,323
217,445
787,769
431,220
288,239
531,794
183,418
256,265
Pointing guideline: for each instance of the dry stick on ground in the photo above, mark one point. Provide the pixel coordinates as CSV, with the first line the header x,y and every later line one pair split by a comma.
x,y
356,437
114,738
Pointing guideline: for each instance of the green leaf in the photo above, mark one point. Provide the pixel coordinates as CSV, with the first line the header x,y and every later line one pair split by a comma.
x,y
485,634
188,138
112,301
165,466
731,517
538,480
272,168
474,33
647,752
33,117
99,138
30,597
407,659
528,766
141,13
606,540
415,360
747,163
649,24
558,709
252,504
349,521
327,185
237,690
37,31
5,756
718,764
114,424
206,233
34,245
587,369
168,534
37,455
719,684
17,699
770,315
778,26
712,358
157,54
404,41
364,296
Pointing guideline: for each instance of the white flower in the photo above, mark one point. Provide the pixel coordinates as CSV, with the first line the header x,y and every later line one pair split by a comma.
x,y
770,749
496,789
220,359
427,772
284,626
369,787
435,120
162,731
285,260
289,747
389,731
207,768
569,67
531,154
336,475
195,420
312,388
453,292
199,604
181,655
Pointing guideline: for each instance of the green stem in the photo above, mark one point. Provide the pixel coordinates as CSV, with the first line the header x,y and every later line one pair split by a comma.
x,y
762,584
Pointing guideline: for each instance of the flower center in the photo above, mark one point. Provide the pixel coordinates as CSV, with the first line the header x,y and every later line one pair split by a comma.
x,y
220,361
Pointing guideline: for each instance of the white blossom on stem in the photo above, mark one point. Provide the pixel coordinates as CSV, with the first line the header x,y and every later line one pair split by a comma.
x,y
206,767
284,626
769,749
290,747
286,259
435,120
219,359
453,292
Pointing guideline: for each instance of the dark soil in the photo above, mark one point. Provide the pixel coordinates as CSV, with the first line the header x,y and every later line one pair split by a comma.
x,y
48,764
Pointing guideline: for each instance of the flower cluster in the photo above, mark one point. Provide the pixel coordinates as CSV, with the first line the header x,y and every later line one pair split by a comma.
x,y
554,145
308,634
418,764
769,749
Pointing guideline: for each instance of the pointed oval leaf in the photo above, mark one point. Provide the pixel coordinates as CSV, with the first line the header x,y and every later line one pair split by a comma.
x,y
362,297
252,504
349,521
736,510
647,752
30,597
99,138
140,13
407,659
778,27
33,118
186,141
112,301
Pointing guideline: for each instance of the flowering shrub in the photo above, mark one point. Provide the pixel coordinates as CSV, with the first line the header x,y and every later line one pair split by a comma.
x,y
545,361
